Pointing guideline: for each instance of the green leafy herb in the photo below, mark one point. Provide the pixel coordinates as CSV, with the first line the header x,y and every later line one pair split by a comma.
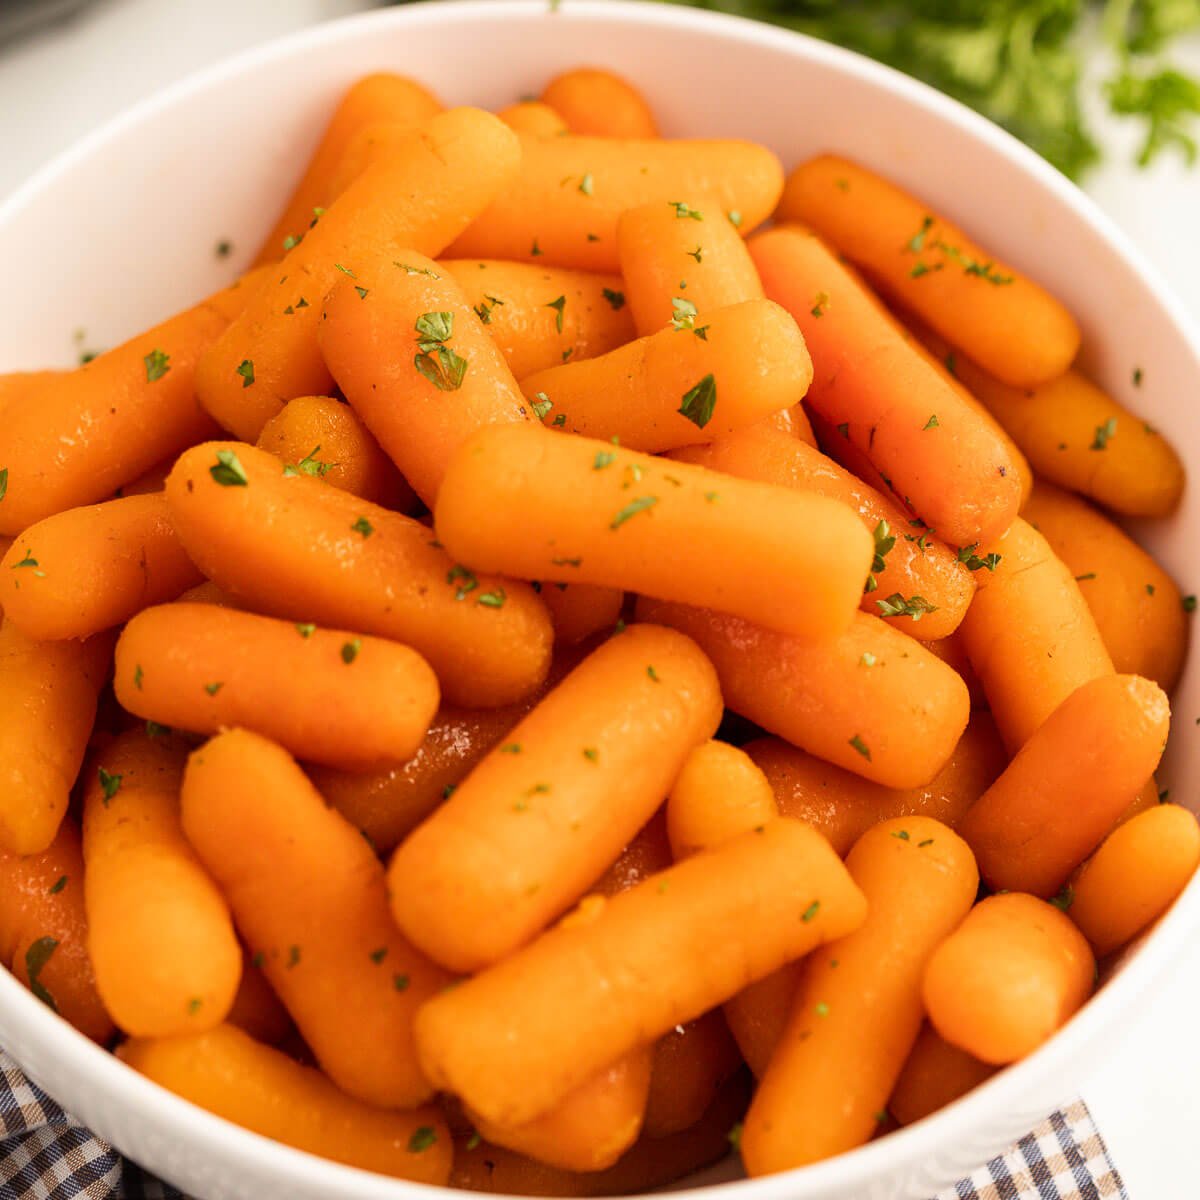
x,y
916,243
973,562
867,659
213,688
36,957
683,212
697,254
700,401
811,911
559,306
897,606
586,184
492,599
932,423
350,650
884,541
616,300
1189,604
138,676
29,561
535,250
411,270
591,753
735,218
363,526
57,886
434,360
194,1005
484,311
224,248
468,582
157,365
1065,898
820,304
1084,578
641,504
952,364
228,470
474,1140
844,429
604,458
422,1138
293,958
1103,434
734,1136
1138,375
400,982
902,835
246,370
861,746
310,464
683,314
3,482
345,270
653,673
821,1008
362,292
110,785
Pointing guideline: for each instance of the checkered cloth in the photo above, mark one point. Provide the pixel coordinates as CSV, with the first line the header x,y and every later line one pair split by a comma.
x,y
48,1155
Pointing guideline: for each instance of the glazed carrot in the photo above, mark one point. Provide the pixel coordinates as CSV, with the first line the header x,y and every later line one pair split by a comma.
x,y
540,316
953,653
416,364
418,198
159,933
648,853
295,547
47,706
563,207
22,388
673,388
1012,974
691,1063
1002,319
719,793
794,422
228,1073
377,97
933,448
541,817
320,435
1068,784
600,103
1029,634
1135,876
337,698
628,969
153,479
207,592
675,268
533,117
935,1074
43,931
590,512
579,610
87,569
1149,797
256,1009
1136,604
913,571
328,949
852,1023
872,701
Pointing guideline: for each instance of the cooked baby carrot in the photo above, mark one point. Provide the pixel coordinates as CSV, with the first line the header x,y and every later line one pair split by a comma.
x,y
321,436
794,422
542,816
292,546
1029,634
677,271
256,1009
719,793
690,1065
416,364
920,585
378,97
337,698
228,1073
564,205
600,103
1068,784
533,117
931,446
1013,973
540,316
1002,319
329,949
47,706
579,610
852,1024
417,198
648,853
627,969
953,653
160,936
594,513
87,569
673,388
22,388
1137,606
153,479
872,701
1135,876
934,1075
43,931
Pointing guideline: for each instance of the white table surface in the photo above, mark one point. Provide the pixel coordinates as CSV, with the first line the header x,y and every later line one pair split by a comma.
x,y
60,84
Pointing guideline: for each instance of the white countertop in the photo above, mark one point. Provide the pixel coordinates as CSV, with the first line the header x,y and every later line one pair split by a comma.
x,y
60,84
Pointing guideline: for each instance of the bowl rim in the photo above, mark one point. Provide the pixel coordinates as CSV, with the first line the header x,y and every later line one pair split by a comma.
x,y
123,1086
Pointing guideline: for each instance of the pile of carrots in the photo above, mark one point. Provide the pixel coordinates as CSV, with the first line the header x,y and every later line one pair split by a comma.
x,y
538,682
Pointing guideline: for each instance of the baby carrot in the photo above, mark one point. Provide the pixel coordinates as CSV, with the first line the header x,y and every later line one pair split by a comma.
x,y
534,118
934,1075
1001,319
872,701
153,479
337,698
594,513
87,569
228,1073
22,388
1068,784
690,1065
579,610
256,1009
931,446
690,382
719,793
564,205
632,967
794,422
541,817
855,1019
648,853
953,653
1012,974
600,103
290,545
329,949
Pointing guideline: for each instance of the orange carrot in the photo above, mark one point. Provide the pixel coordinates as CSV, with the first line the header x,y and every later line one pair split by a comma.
x,y
23,388
534,118
691,1063
580,610
953,653
600,104
935,1074
648,853
256,1009
794,422
719,793
153,479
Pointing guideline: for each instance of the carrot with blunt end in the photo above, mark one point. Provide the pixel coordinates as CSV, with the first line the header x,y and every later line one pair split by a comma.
x,y
1013,973
87,569
952,651
287,544
590,991
854,1021
689,382
1135,876
691,1064
932,447
794,422
934,1075
600,103
579,610
590,512
541,817
1002,319
416,364
228,1073
338,698
719,793
563,207
872,701
418,198
1068,784
534,118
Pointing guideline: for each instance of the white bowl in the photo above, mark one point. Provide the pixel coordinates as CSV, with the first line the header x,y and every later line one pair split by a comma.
x,y
121,231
